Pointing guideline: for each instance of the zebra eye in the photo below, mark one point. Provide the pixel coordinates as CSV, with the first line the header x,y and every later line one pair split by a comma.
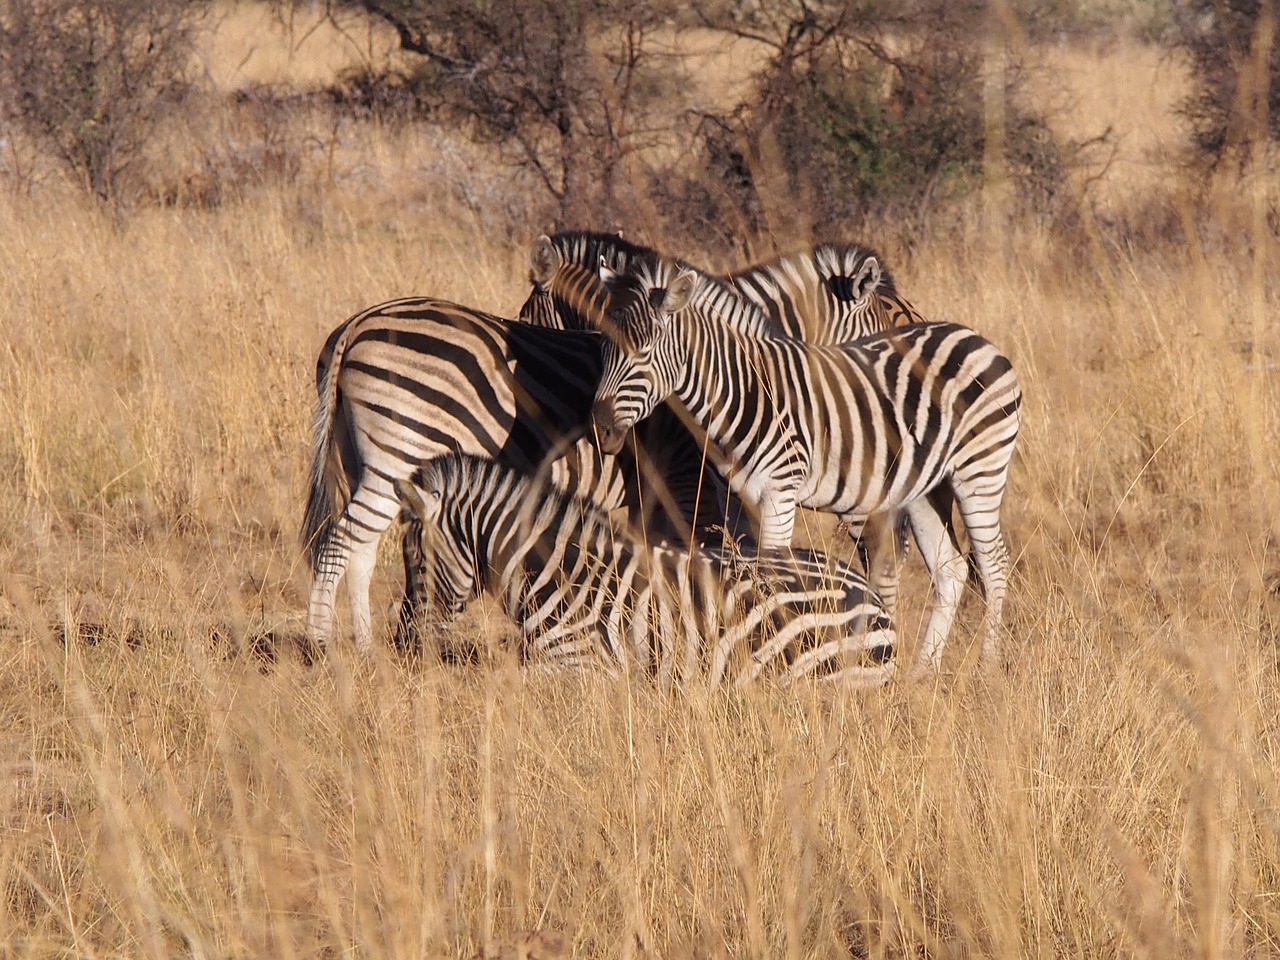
x,y
656,296
432,508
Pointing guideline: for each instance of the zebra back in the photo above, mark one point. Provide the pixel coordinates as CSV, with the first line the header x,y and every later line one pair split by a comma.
x,y
585,591
827,294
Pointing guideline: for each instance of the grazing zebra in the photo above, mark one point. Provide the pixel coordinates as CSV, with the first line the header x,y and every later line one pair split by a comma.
x,y
915,419
585,591
411,379
827,294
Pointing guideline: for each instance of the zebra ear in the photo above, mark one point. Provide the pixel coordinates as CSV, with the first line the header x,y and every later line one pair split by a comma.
x,y
867,279
543,260
679,291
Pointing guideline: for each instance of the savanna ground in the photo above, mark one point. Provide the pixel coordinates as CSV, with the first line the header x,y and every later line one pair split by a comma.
x,y
179,780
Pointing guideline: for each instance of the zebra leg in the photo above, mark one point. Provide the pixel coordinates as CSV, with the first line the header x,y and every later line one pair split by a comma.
x,y
981,512
352,549
930,519
329,568
882,544
777,517
408,635
359,575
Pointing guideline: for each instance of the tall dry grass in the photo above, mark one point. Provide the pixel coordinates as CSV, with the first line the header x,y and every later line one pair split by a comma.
x,y
179,781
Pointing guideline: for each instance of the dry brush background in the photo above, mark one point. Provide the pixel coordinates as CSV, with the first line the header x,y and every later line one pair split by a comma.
x,y
176,779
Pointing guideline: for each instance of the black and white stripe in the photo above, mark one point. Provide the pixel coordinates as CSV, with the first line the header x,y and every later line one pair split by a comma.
x,y
910,419
411,379
583,590
415,377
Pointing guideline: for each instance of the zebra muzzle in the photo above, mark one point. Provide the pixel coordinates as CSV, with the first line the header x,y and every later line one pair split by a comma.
x,y
604,418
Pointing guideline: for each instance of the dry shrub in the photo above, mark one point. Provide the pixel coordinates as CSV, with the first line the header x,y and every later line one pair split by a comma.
x,y
1235,65
556,91
90,82
858,116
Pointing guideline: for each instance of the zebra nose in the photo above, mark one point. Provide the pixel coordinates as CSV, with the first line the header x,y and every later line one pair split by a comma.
x,y
604,418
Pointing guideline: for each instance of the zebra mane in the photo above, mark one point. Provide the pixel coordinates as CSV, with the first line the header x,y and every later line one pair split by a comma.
x,y
835,263
449,473
587,247
714,297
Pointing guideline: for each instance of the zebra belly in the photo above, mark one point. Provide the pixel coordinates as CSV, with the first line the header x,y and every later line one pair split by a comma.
x,y
870,482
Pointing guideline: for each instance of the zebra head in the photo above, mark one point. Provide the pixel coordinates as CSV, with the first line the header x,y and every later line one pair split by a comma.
x,y
448,574
563,268
862,293
643,351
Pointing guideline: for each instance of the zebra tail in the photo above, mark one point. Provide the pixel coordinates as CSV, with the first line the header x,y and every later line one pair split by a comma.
x,y
334,462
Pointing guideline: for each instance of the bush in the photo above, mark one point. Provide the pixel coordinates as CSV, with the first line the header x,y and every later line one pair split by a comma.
x,y
89,81
863,116
1235,68
551,87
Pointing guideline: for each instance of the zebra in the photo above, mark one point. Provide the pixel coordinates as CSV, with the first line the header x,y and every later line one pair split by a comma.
x,y
829,293
918,418
413,378
586,591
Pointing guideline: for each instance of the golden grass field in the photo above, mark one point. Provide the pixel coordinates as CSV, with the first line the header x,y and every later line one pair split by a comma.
x,y
176,779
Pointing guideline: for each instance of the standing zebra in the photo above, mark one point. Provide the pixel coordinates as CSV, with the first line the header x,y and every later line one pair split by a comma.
x,y
411,379
914,419
585,591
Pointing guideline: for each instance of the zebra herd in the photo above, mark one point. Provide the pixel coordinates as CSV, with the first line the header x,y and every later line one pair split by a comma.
x,y
696,402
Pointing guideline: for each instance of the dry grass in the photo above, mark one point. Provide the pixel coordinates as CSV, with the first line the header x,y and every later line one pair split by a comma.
x,y
251,44
178,781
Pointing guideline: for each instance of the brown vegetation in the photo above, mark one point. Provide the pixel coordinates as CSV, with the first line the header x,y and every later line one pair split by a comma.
x,y
177,778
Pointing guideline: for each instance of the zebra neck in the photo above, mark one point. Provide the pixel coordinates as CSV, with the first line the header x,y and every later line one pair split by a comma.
x,y
580,306
512,537
487,521
722,371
